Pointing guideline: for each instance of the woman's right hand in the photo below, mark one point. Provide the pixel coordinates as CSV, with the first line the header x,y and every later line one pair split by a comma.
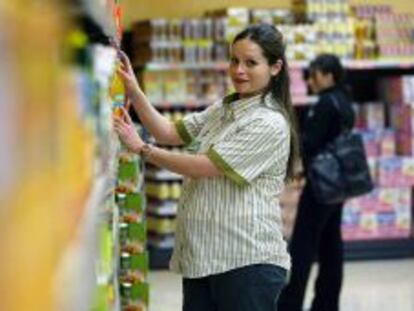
x,y
127,75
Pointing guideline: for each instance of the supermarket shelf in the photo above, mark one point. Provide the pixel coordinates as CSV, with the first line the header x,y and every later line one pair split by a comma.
x,y
166,243
193,105
162,208
77,267
304,100
182,66
379,249
162,175
167,211
405,63
163,241
380,64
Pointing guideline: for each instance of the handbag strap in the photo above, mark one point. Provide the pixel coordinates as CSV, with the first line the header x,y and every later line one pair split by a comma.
x,y
344,128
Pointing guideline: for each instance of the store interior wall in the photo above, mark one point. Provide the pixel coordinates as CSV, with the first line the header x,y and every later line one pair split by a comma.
x,y
145,9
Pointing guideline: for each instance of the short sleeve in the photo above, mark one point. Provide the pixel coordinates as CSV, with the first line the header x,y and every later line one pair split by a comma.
x,y
190,126
252,150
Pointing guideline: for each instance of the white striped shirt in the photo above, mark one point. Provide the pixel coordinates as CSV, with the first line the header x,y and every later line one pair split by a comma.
x,y
233,220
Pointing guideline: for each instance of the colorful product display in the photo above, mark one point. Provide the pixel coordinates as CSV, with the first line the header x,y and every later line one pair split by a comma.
x,y
133,257
181,64
396,172
177,41
189,87
379,143
382,32
385,213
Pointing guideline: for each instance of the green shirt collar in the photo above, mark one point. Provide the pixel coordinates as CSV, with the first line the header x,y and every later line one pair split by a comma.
x,y
236,107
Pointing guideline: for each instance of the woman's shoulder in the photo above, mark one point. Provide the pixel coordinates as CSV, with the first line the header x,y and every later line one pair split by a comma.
x,y
272,118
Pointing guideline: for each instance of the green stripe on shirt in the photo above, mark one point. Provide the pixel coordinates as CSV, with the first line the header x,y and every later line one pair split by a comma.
x,y
182,131
223,166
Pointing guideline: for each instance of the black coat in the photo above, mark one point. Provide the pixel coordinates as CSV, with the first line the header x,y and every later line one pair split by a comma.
x,y
324,122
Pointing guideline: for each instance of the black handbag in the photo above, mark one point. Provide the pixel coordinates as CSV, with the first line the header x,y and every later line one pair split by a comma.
x,y
341,170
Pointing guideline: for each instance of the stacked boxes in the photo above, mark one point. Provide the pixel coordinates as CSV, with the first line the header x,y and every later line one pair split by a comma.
x,y
301,41
235,20
305,41
271,16
394,34
386,211
396,172
312,27
372,116
370,11
132,227
379,143
178,87
383,213
382,32
314,10
332,24
365,37
176,41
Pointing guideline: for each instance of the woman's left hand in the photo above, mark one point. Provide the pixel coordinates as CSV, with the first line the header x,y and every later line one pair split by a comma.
x,y
127,133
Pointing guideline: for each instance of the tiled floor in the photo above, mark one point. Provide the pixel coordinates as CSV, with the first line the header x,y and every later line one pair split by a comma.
x,y
369,286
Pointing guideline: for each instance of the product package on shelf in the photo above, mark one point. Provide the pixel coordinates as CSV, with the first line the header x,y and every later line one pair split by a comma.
x,y
396,172
165,190
175,41
313,10
271,16
235,20
371,116
385,213
379,142
134,262
94,276
394,34
382,32
184,88
331,28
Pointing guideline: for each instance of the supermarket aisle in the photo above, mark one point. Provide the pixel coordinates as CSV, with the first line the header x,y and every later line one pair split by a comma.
x,y
369,286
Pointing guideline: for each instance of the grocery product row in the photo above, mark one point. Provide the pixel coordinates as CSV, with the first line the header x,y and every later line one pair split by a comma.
x,y
73,225
309,28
